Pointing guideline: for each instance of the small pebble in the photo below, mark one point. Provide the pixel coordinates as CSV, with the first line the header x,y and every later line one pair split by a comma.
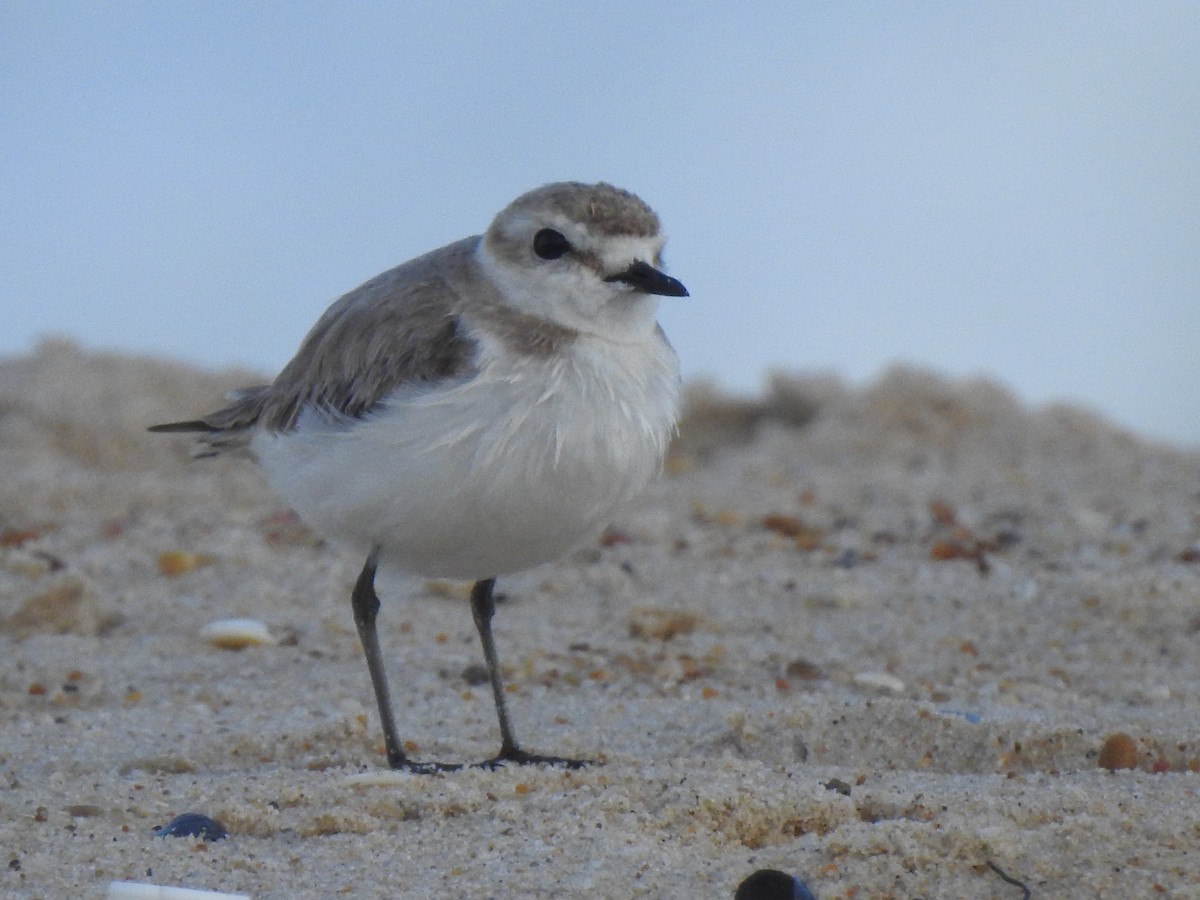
x,y
804,670
1119,752
788,526
836,784
847,559
84,810
973,717
174,563
236,634
475,674
193,825
771,884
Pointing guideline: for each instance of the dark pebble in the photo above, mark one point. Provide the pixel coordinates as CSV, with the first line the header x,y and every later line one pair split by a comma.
x,y
771,884
475,674
836,784
193,825
847,559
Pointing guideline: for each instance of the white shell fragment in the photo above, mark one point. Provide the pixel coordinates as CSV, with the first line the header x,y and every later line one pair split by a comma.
x,y
236,634
379,778
881,680
134,890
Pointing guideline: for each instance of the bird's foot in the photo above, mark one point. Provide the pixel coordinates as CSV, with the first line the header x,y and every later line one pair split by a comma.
x,y
520,757
401,763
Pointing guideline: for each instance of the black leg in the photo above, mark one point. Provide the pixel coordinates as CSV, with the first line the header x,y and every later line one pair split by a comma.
x,y
365,603
483,608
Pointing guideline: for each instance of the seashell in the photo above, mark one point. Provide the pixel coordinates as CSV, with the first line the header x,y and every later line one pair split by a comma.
x,y
882,680
136,890
236,634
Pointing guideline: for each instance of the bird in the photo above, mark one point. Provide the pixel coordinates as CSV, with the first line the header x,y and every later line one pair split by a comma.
x,y
479,410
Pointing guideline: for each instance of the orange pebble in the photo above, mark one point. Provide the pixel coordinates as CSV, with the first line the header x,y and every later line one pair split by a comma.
x,y
1119,752
174,563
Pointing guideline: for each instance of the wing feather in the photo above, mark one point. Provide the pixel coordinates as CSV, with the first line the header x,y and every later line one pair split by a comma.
x,y
401,327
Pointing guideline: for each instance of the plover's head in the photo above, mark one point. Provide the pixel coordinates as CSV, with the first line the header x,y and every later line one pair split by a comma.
x,y
585,256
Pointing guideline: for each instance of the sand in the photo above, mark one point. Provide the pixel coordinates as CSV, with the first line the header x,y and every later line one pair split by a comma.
x,y
876,637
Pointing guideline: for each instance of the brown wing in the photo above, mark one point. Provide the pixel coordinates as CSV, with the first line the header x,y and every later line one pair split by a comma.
x,y
401,327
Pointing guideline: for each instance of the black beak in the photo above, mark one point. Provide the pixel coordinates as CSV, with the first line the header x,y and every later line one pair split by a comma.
x,y
646,279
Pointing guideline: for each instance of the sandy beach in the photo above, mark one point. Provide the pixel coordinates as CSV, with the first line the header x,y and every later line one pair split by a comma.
x,y
886,638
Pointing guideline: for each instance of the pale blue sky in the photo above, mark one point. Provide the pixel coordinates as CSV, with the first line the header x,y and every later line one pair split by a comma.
x,y
1007,189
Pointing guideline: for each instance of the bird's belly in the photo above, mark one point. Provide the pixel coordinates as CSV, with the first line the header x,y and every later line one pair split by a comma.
x,y
474,482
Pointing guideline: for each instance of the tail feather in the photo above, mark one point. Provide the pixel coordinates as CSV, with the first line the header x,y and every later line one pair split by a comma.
x,y
182,427
226,429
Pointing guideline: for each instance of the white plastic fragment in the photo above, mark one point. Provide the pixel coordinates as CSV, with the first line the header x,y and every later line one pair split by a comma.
x,y
236,634
135,890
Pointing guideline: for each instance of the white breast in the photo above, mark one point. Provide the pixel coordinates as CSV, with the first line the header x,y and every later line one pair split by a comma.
x,y
490,475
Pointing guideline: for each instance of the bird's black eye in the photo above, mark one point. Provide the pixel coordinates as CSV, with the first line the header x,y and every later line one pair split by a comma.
x,y
549,244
